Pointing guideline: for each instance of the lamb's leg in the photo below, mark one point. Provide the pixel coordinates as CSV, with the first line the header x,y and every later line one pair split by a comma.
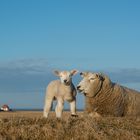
x,y
73,108
47,107
59,108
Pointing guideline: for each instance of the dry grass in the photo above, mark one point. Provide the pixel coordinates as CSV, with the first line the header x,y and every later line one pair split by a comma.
x,y
31,126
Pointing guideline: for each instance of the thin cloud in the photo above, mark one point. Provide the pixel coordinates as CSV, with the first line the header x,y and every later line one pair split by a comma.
x,y
27,65
128,75
24,75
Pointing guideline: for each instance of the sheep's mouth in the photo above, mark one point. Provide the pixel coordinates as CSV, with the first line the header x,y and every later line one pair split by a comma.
x,y
84,93
81,91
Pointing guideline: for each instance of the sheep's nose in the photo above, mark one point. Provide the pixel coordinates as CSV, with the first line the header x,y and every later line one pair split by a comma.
x,y
78,87
65,81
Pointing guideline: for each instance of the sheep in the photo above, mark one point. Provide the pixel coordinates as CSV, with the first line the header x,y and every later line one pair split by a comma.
x,y
61,90
107,98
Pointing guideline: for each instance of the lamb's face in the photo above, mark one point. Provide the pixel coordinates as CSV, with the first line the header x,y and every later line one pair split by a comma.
x,y
66,76
90,84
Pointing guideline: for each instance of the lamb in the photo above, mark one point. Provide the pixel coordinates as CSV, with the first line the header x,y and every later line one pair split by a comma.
x,y
105,98
61,90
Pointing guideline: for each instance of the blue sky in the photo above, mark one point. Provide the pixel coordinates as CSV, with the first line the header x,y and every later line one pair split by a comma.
x,y
38,36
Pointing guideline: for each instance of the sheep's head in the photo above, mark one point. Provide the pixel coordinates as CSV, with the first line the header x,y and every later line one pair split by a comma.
x,y
91,83
65,76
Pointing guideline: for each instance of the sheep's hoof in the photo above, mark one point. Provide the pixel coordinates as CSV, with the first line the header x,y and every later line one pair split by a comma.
x,y
74,115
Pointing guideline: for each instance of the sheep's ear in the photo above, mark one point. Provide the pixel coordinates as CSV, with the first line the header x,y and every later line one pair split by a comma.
x,y
74,72
83,74
100,76
97,75
56,72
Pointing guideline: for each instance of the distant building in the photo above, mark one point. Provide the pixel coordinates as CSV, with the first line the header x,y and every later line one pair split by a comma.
x,y
5,108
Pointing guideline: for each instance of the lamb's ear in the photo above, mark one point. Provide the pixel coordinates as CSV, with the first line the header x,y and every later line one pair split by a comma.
x,y
97,75
83,74
74,72
56,72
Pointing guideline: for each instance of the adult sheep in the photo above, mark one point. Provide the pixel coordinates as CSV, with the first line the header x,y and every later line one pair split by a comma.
x,y
61,90
107,98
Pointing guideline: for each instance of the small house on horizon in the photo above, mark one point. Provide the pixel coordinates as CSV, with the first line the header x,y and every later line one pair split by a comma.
x,y
5,108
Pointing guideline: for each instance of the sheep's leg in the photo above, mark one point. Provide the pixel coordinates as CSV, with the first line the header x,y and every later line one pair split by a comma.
x,y
73,108
59,108
47,107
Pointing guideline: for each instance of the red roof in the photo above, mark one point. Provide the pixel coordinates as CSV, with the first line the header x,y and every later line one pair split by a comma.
x,y
5,106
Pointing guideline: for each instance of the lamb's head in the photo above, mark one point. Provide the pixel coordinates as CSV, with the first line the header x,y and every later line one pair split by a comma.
x,y
65,76
91,83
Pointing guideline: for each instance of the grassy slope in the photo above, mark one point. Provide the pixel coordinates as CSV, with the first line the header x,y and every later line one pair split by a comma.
x,y
31,126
